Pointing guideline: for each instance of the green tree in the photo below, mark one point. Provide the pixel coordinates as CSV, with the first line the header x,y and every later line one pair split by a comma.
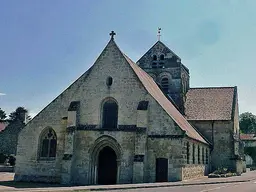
x,y
247,122
18,114
2,115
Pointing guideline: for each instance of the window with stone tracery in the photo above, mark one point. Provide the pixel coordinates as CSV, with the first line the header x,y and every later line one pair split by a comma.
x,y
48,144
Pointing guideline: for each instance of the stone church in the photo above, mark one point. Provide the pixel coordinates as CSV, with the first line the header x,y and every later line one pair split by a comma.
x,y
126,122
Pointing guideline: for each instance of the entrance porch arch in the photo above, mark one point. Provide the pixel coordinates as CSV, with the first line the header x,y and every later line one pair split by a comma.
x,y
104,144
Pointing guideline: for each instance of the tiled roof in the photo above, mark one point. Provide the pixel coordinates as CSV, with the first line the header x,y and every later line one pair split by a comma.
x,y
248,136
212,103
158,95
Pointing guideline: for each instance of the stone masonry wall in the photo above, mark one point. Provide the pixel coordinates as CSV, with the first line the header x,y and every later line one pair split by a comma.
x,y
175,150
90,89
194,171
84,145
223,145
172,69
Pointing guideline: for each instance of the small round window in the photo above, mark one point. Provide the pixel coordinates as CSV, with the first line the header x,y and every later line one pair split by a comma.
x,y
109,81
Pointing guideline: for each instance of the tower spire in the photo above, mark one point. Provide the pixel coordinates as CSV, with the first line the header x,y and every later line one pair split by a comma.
x,y
159,34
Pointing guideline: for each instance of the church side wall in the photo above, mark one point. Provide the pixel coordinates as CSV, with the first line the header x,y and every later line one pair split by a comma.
x,y
196,169
175,150
223,145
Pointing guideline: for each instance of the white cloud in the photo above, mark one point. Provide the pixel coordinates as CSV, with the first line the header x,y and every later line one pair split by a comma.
x,y
2,94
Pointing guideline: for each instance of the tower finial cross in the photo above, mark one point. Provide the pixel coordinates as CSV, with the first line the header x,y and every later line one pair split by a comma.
x,y
159,34
112,34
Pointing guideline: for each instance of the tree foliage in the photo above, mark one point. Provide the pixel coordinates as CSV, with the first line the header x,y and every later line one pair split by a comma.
x,y
2,115
247,122
18,114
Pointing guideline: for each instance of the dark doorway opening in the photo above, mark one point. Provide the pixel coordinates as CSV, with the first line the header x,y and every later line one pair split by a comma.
x,y
107,166
161,170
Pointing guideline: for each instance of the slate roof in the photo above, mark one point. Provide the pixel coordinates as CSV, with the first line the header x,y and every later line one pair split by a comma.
x,y
246,137
210,103
158,95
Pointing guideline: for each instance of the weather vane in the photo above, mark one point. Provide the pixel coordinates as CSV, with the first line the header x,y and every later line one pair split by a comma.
x,y
159,33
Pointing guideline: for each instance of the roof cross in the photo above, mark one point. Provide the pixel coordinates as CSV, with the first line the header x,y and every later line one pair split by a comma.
x,y
112,34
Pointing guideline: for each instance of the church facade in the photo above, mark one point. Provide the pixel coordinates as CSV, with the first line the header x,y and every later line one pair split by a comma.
x,y
126,122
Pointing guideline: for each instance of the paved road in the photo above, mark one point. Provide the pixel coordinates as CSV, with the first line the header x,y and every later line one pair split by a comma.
x,y
232,184
225,187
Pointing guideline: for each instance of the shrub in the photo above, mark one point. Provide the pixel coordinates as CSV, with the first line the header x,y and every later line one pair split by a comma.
x,y
2,158
12,160
221,170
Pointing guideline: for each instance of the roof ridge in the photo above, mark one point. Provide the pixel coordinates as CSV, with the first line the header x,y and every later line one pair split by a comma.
x,y
224,87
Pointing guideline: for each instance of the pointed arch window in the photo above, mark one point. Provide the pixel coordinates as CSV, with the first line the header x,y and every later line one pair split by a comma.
x,y
110,114
154,57
161,57
48,144
165,84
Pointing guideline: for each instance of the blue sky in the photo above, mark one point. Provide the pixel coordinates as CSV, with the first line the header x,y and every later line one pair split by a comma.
x,y
45,45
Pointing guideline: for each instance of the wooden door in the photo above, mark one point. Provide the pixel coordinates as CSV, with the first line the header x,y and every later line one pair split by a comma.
x,y
161,170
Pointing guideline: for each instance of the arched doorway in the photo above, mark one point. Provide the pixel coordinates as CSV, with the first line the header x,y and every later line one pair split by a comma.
x,y
107,166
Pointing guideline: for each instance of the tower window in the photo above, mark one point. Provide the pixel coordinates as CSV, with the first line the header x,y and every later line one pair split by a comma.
x,y
165,84
154,65
158,63
161,65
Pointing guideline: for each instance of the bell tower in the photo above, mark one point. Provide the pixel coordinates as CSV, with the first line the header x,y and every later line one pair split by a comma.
x,y
165,67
